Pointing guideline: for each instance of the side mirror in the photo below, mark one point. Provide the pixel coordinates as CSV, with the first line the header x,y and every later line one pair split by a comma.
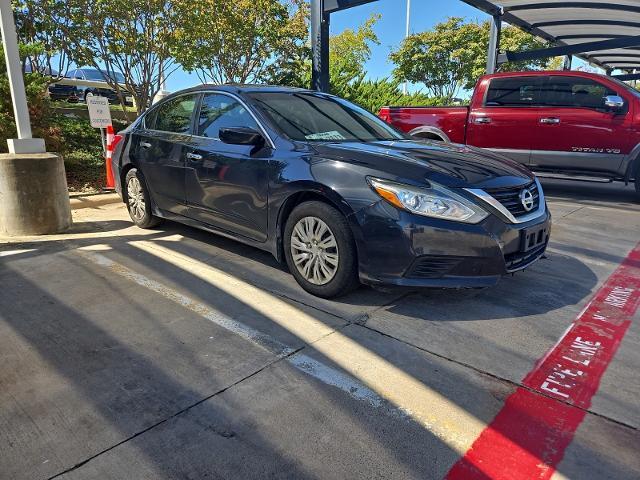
x,y
240,136
614,103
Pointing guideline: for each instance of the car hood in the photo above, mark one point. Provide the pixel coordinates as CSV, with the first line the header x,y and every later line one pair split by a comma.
x,y
452,165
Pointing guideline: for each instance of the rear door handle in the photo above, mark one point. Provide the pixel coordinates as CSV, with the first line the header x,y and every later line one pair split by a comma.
x,y
194,156
145,144
482,120
550,120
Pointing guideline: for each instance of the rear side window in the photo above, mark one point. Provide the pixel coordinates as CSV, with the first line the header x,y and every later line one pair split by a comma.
x,y
575,92
175,115
513,92
218,111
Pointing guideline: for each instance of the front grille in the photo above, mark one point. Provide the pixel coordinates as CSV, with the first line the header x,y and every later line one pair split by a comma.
x,y
510,198
432,266
519,260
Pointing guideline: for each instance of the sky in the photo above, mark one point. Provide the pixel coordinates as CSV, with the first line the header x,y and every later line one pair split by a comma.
x,y
390,29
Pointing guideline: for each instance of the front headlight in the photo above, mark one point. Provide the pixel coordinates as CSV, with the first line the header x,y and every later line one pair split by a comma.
x,y
435,201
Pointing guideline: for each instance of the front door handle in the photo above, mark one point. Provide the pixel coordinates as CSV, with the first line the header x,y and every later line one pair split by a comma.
x,y
194,156
482,120
145,144
552,121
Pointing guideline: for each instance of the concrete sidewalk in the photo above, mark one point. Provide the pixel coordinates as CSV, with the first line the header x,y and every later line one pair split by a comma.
x,y
79,201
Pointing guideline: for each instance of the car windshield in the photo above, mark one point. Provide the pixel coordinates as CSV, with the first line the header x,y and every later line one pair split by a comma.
x,y
98,75
308,116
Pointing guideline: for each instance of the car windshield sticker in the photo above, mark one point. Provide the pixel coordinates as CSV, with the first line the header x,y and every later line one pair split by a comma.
x,y
332,135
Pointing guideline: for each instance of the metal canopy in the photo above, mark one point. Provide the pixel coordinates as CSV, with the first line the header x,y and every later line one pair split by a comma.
x,y
321,11
575,23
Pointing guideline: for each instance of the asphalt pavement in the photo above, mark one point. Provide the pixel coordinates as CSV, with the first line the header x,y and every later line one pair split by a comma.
x,y
176,354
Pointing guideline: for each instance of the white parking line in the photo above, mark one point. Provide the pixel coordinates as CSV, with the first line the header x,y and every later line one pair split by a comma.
x,y
264,341
361,373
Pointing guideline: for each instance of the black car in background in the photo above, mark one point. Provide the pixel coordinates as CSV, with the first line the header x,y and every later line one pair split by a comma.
x,y
56,90
331,189
91,81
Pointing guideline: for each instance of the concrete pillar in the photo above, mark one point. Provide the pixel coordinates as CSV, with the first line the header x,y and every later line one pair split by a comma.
x,y
34,199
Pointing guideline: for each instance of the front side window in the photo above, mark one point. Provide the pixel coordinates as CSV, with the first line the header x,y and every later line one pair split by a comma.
x,y
513,92
218,111
175,115
575,92
318,118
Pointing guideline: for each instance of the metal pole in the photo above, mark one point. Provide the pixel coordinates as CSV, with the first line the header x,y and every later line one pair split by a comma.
x,y
494,43
405,87
14,70
319,46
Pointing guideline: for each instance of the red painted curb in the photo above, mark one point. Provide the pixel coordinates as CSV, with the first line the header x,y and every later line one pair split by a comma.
x,y
528,437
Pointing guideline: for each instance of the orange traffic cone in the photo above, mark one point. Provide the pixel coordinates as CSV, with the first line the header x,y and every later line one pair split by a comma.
x,y
110,181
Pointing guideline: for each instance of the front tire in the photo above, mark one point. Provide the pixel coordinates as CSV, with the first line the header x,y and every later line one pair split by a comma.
x,y
138,200
320,250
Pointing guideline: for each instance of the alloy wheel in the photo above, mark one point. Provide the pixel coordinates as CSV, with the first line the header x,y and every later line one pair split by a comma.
x,y
135,196
314,250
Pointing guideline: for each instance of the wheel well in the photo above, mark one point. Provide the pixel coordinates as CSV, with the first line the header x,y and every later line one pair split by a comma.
x,y
429,136
290,203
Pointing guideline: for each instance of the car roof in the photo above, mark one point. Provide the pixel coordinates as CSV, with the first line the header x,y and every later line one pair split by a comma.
x,y
244,88
548,73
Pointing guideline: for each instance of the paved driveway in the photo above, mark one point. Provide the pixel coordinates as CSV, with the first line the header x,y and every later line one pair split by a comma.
x,y
176,354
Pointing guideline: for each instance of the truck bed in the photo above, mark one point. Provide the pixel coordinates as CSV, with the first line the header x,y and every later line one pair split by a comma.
x,y
451,121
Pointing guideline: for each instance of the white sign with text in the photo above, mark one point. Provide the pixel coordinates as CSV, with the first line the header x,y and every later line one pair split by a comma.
x,y
99,113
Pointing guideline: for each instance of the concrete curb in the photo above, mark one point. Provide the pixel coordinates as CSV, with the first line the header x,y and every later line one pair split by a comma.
x,y
93,200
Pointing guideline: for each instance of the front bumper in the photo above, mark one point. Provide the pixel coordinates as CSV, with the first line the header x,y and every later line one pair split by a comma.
x,y
397,248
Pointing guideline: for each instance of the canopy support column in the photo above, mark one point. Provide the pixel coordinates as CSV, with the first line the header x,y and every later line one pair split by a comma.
x,y
494,43
24,143
568,59
320,46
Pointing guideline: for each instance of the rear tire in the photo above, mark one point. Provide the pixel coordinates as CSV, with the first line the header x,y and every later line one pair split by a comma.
x,y
320,250
136,196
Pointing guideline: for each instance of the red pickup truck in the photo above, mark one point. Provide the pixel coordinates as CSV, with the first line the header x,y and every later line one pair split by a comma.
x,y
571,125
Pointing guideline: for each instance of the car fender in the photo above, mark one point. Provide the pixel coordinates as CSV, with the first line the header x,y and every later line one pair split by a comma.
x,y
631,163
282,202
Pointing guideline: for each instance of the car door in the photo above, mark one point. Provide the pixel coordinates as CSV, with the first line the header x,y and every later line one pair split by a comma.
x,y
574,129
160,150
227,185
503,119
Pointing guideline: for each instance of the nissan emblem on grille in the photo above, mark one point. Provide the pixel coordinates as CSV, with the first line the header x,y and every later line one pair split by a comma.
x,y
526,198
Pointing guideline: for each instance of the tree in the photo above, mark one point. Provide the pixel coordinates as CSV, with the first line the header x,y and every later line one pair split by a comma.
x,y
348,53
236,41
40,24
134,37
37,101
293,66
453,55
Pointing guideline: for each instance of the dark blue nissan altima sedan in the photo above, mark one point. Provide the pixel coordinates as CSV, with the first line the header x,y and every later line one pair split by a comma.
x,y
331,189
